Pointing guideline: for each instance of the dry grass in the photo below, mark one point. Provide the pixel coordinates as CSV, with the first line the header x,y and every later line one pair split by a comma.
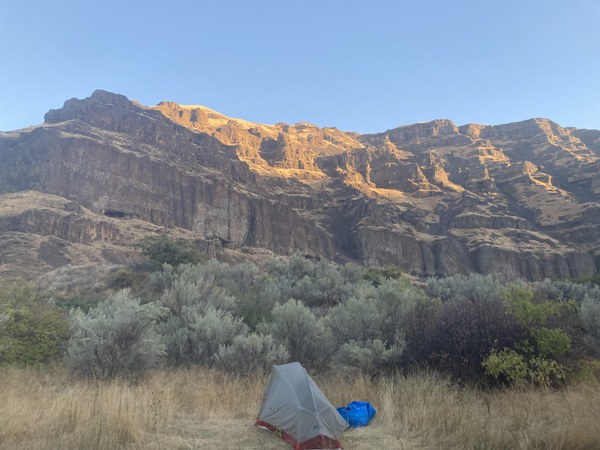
x,y
200,409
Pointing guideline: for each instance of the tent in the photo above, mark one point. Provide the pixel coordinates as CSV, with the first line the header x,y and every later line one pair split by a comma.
x,y
295,407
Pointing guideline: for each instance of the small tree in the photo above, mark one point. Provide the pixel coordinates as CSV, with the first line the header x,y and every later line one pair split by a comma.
x,y
165,250
118,337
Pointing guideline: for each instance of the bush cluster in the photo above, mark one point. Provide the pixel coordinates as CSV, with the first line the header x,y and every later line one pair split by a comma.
x,y
244,318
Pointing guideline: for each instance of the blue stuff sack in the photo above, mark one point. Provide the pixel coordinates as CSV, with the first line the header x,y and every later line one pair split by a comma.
x,y
357,414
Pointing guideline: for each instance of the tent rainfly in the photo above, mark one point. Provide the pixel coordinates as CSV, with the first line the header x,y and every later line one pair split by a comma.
x,y
294,406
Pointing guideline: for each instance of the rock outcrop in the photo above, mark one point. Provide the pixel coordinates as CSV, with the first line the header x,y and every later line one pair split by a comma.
x,y
521,200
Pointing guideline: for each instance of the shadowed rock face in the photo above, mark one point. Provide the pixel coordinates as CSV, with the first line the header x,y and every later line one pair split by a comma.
x,y
521,200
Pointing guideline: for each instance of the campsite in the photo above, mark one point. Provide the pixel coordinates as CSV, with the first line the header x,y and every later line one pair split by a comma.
x,y
310,225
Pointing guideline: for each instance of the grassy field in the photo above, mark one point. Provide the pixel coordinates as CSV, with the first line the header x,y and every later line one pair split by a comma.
x,y
200,409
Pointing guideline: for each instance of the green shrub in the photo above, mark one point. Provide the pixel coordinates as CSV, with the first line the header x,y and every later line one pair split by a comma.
x,y
118,337
517,369
589,314
83,303
533,313
531,359
123,278
3,346
535,317
551,341
250,354
588,371
508,364
165,250
377,275
34,330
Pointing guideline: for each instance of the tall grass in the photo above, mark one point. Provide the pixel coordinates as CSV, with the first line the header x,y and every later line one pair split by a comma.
x,y
201,409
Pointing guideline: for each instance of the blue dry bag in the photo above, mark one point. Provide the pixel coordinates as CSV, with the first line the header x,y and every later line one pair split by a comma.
x,y
357,414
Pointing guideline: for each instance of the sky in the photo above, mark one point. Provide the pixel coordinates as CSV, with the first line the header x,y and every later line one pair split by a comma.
x,y
364,66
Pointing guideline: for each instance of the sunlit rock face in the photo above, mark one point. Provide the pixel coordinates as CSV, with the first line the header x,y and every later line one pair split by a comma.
x,y
519,200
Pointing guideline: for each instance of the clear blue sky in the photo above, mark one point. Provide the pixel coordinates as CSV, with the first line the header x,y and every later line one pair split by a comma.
x,y
359,65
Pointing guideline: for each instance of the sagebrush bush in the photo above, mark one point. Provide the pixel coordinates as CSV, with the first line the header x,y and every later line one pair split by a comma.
x,y
320,283
202,292
370,331
564,290
118,337
250,354
301,332
381,313
356,320
255,304
195,335
395,300
458,288
161,280
235,279
371,356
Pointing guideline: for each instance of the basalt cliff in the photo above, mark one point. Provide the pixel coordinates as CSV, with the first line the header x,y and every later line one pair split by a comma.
x,y
518,200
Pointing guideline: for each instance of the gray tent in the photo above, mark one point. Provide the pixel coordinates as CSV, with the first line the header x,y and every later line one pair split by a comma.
x,y
295,407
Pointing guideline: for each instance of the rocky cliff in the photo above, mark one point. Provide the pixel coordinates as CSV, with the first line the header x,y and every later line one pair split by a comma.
x,y
521,200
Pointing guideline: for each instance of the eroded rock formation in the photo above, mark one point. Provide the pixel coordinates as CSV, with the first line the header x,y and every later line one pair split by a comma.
x,y
521,200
